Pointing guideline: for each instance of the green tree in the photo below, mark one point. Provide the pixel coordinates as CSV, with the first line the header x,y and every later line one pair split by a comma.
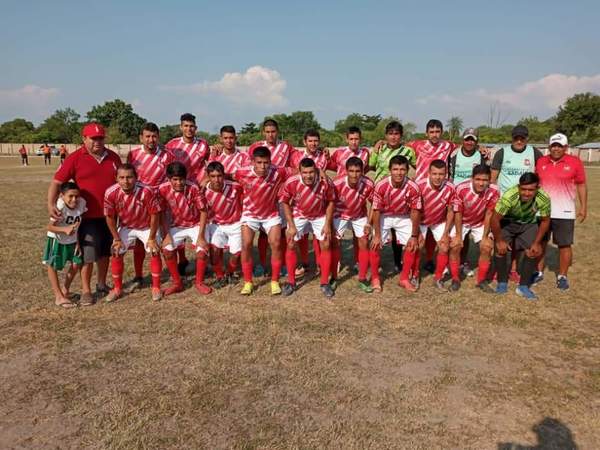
x,y
539,131
168,132
62,126
454,127
119,114
364,121
579,115
17,130
292,126
249,128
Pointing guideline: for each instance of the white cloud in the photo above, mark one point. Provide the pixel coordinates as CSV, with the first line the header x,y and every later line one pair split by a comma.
x,y
259,86
30,101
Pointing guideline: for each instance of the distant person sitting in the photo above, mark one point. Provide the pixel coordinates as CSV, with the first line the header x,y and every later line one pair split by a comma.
x,y
24,158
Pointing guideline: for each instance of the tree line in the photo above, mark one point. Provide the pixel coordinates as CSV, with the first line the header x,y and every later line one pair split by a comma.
x,y
578,118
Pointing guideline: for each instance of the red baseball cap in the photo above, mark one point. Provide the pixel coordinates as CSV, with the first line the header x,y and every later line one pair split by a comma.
x,y
93,130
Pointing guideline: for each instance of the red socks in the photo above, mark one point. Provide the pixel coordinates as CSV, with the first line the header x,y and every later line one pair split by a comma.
x,y
363,263
218,262
172,266
276,268
455,269
155,270
139,254
325,263
291,260
232,263
116,267
316,249
408,262
303,248
484,267
440,264
247,271
201,268
375,257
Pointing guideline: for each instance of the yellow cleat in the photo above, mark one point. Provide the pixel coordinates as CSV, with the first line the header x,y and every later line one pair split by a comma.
x,y
247,289
275,288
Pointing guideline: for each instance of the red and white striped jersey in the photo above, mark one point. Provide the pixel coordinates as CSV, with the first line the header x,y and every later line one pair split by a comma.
x,y
193,155
396,201
280,152
427,152
233,161
472,205
134,208
260,193
342,154
320,158
351,202
150,167
308,202
184,206
224,207
436,202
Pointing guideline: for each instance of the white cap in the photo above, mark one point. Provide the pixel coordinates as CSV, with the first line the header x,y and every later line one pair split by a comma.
x,y
558,138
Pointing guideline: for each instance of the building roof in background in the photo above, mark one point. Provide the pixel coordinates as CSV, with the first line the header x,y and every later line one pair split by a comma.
x,y
594,145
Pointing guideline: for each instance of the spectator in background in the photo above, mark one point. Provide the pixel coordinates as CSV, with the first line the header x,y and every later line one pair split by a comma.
x,y
63,153
47,155
24,158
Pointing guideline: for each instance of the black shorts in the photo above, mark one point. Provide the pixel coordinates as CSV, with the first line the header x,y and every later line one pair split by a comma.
x,y
562,231
523,234
95,239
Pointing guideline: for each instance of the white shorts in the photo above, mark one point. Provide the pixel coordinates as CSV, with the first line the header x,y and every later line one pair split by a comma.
x,y
436,230
305,226
476,232
261,224
357,225
129,235
402,225
179,236
221,236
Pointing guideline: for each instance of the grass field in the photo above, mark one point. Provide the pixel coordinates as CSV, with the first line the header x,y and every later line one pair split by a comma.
x,y
423,371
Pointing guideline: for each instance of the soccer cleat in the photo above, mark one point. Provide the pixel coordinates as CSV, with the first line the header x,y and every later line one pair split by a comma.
x,y
333,284
484,286
156,295
134,285
525,292
429,266
454,286
514,276
173,289
247,289
220,283
562,283
259,271
300,271
275,288
202,288
537,277
113,296
376,285
439,284
327,290
233,278
415,282
288,289
406,284
501,288
365,286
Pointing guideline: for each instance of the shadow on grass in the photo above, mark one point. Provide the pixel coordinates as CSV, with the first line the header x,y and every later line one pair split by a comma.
x,y
551,433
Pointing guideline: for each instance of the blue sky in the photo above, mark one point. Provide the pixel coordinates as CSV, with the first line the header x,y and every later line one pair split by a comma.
x,y
235,62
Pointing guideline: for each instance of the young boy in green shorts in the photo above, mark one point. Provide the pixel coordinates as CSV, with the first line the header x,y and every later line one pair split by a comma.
x,y
61,245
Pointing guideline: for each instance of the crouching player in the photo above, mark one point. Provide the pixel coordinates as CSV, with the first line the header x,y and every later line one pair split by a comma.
x,y
184,219
223,199
352,192
396,208
308,204
438,217
476,199
138,213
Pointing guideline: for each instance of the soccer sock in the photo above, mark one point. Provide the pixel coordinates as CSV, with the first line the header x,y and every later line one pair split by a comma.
x,y
116,267
181,256
363,263
317,250
247,271
528,266
407,264
263,243
139,254
218,264
155,269
375,260
325,264
484,267
455,269
232,263
336,256
429,247
440,264
200,269
275,268
172,266
291,260
502,268
303,248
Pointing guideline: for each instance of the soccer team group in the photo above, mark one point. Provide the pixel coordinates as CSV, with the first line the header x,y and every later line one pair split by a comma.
x,y
219,198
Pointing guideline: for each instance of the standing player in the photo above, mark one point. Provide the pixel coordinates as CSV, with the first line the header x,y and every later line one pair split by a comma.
x,y
438,218
23,153
476,199
261,183
228,155
515,227
63,153
223,198
396,207
353,190
342,154
47,152
137,210
312,198
562,176
184,218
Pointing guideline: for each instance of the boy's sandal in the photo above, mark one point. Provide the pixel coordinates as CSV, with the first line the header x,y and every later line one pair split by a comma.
x,y
65,303
86,299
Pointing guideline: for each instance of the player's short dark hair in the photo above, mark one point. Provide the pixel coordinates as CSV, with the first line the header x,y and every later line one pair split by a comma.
x,y
227,129
127,167
270,123
353,130
150,126
398,160
481,169
67,186
261,152
307,162
529,178
394,125
188,117
354,161
434,123
438,164
176,169
312,133
215,166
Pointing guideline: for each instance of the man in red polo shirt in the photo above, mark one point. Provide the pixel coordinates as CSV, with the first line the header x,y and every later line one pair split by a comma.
x,y
94,168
